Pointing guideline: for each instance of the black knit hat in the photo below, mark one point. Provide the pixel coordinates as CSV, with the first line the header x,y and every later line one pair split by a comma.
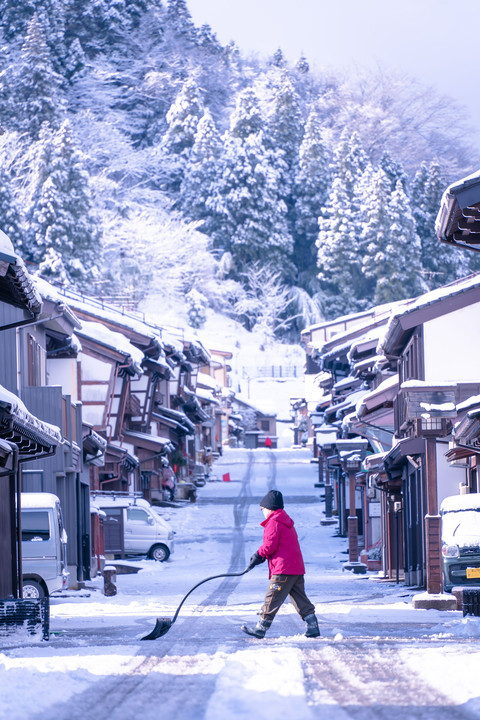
x,y
273,500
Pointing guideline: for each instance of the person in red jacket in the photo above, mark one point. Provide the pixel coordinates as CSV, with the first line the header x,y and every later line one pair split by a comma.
x,y
281,548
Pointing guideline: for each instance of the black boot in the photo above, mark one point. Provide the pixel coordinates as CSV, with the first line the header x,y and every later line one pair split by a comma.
x,y
259,630
312,626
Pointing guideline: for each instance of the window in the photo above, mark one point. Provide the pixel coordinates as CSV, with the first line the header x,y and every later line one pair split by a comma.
x,y
411,364
137,515
35,353
265,425
35,526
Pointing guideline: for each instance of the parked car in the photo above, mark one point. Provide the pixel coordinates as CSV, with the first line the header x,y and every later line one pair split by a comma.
x,y
132,527
461,540
44,542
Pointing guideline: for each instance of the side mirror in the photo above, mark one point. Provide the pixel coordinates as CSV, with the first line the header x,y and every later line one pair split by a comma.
x,y
150,520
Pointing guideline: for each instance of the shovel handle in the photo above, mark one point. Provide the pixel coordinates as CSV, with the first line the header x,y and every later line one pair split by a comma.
x,y
213,577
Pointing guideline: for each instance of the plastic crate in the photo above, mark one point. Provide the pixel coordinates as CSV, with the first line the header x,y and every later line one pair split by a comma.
x,y
471,601
32,615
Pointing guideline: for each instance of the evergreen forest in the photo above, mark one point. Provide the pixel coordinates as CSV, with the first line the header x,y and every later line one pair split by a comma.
x,y
139,156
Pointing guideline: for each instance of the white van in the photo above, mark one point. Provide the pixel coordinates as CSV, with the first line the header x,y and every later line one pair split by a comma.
x,y
132,527
44,540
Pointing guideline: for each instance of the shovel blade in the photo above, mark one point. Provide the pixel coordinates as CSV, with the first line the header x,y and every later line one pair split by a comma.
x,y
162,626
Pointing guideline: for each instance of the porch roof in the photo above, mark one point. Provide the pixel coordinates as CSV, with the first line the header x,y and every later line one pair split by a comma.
x,y
458,220
428,306
154,443
384,393
16,286
32,436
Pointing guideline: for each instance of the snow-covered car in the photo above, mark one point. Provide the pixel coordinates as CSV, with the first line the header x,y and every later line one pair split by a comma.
x,y
461,540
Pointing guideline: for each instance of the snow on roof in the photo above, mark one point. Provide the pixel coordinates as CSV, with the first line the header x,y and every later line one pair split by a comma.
x,y
470,402
17,408
346,382
454,503
367,314
76,344
103,335
246,401
6,247
205,394
49,292
423,384
388,384
173,339
102,311
459,185
422,301
207,381
373,326
38,500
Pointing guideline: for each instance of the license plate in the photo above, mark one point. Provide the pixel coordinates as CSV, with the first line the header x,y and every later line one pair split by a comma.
x,y
473,573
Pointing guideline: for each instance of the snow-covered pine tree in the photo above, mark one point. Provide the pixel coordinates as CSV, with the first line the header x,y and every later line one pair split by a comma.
x,y
201,174
441,264
100,24
349,160
302,66
283,134
10,217
182,123
393,253
285,123
250,218
376,223
311,192
393,170
197,305
339,260
278,59
15,16
180,19
247,118
61,217
250,215
35,92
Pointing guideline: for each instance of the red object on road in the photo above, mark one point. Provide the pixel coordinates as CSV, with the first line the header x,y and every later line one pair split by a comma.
x,y
226,477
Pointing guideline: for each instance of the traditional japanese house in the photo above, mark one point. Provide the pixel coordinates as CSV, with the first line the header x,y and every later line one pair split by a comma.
x,y
23,436
432,343
107,364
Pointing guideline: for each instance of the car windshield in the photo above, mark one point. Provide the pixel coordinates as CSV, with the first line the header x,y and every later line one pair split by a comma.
x,y
461,527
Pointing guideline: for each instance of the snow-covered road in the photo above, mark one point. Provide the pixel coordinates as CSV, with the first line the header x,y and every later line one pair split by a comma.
x,y
376,657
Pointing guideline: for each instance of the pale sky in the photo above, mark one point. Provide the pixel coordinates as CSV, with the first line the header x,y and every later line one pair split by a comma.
x,y
435,41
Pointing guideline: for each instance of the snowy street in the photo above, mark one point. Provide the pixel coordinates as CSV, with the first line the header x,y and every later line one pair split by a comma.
x,y
376,657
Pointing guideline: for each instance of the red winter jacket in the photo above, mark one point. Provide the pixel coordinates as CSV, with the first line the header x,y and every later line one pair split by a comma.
x,y
280,545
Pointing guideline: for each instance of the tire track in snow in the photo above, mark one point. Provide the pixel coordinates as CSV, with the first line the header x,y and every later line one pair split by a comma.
x,y
370,681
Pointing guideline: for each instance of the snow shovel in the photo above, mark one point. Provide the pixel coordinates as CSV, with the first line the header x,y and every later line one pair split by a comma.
x,y
163,625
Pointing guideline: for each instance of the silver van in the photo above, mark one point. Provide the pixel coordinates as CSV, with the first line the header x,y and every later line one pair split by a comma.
x,y
132,527
44,541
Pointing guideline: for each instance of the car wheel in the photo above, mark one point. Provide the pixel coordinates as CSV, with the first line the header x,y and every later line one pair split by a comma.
x,y
160,553
32,590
